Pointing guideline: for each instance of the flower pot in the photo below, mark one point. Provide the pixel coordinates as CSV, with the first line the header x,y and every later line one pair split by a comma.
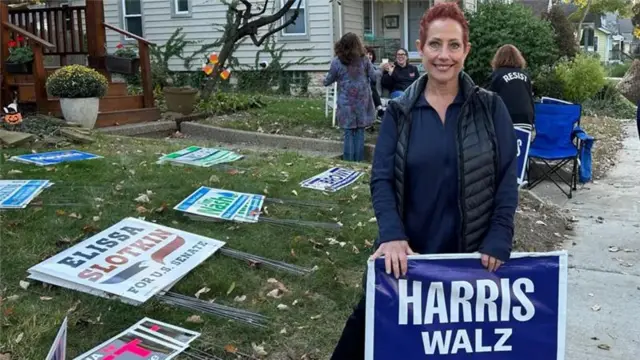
x,y
180,100
122,65
19,68
83,111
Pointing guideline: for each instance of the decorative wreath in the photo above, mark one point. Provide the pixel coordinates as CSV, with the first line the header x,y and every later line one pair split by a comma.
x,y
210,65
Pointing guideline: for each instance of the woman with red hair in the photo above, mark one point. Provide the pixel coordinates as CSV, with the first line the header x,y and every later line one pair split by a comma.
x,y
444,171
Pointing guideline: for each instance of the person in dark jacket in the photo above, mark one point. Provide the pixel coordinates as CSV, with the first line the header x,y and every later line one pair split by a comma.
x,y
397,77
512,84
374,88
444,170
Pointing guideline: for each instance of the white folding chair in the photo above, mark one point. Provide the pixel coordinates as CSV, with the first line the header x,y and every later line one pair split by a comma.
x,y
331,99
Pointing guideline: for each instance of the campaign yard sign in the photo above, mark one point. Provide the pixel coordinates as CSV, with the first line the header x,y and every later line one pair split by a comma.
x,y
198,156
132,260
450,307
17,194
54,157
332,180
148,339
523,138
223,204
58,350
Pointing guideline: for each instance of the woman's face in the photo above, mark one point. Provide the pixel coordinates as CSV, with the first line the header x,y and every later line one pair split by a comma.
x,y
401,57
444,51
370,56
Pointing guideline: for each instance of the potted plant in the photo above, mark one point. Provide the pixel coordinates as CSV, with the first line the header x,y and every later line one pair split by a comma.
x,y
20,60
79,89
124,60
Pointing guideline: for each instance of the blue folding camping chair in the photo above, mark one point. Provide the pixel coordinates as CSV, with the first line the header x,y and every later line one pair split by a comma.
x,y
556,143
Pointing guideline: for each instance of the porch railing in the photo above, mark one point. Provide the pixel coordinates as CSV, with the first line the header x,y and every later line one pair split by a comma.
x,y
61,26
38,45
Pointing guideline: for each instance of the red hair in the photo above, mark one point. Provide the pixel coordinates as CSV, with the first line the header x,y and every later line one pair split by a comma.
x,y
442,11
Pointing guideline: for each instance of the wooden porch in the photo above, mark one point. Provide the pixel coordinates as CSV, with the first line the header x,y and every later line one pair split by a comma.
x,y
62,35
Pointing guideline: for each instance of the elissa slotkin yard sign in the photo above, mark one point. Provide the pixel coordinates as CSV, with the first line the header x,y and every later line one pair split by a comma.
x,y
133,260
450,307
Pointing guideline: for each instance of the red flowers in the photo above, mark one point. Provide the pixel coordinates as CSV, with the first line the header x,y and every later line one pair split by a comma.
x,y
20,38
12,43
119,46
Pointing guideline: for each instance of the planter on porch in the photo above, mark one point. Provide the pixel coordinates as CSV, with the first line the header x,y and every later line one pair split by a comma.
x,y
83,111
19,68
122,65
180,99
79,89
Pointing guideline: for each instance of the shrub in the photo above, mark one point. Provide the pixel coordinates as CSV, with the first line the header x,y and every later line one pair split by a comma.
x,y
495,24
583,77
609,102
228,102
618,70
77,81
547,83
563,29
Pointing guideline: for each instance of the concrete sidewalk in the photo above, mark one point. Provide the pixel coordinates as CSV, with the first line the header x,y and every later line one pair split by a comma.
x,y
603,308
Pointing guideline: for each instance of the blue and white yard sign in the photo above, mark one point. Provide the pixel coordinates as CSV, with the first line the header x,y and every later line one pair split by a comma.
x,y
17,194
523,137
332,180
54,157
450,307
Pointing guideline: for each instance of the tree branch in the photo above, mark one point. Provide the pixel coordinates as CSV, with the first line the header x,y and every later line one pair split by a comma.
x,y
253,32
264,8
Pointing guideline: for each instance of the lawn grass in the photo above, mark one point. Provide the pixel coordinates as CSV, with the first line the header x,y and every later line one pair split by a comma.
x,y
304,117
106,189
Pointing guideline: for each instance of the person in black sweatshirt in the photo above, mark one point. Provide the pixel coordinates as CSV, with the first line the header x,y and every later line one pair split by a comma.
x,y
397,77
513,84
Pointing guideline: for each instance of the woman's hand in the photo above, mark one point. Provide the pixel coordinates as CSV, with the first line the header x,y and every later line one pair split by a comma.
x,y
492,264
395,256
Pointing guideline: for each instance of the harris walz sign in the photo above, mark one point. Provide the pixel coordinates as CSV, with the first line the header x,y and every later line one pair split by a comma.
x,y
132,259
450,307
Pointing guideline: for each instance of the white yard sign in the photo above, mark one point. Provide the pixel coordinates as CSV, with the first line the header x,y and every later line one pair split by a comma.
x,y
132,259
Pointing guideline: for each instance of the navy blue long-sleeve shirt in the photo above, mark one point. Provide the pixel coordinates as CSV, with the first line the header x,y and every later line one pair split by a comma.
x,y
432,216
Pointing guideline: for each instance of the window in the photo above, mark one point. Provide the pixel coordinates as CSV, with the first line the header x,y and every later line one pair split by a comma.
x,y
300,26
367,8
588,36
132,16
180,7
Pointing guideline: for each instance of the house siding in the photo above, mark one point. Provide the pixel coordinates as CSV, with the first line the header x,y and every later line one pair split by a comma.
x,y
353,17
603,45
159,25
471,5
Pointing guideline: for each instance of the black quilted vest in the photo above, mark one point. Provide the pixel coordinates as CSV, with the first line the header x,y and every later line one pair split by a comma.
x,y
477,157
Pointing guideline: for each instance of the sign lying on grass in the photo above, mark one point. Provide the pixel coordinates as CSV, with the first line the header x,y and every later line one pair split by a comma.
x,y
198,156
450,307
133,260
523,137
332,180
223,204
54,157
146,340
17,194
58,350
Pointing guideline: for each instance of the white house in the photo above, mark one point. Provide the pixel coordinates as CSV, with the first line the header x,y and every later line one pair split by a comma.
x,y
320,24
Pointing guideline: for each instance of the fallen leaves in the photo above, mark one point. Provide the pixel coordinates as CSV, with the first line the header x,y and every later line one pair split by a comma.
x,y
596,307
195,319
230,349
240,298
5,356
259,349
282,307
604,347
24,284
233,286
19,338
142,198
204,290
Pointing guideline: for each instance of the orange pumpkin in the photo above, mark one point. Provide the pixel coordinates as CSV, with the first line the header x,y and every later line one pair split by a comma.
x,y
13,119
